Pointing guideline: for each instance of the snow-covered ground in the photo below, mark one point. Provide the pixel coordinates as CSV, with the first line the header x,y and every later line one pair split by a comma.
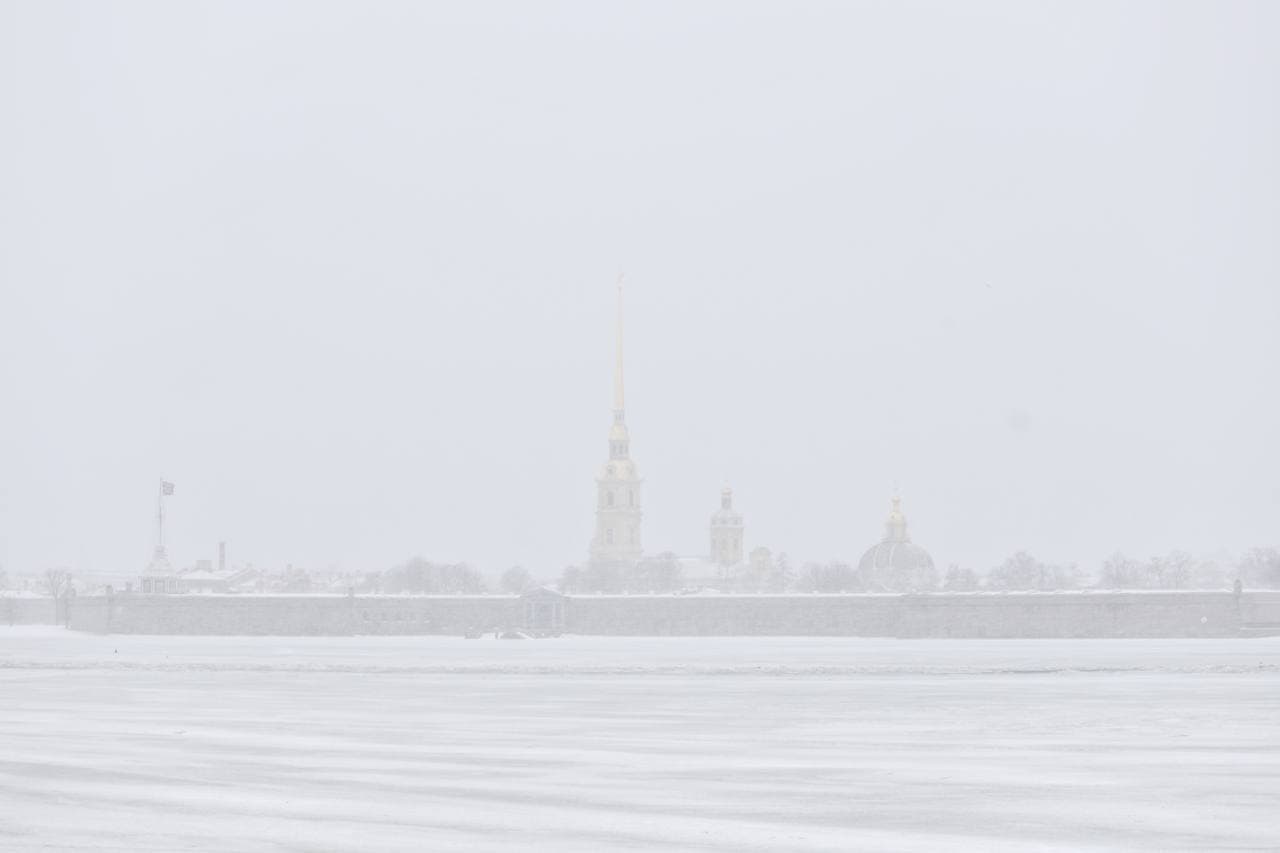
x,y
587,743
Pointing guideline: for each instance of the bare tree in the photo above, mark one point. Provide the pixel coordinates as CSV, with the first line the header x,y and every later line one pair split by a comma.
x,y
661,573
960,579
1020,571
1260,567
424,577
516,580
1121,572
1023,571
572,580
56,582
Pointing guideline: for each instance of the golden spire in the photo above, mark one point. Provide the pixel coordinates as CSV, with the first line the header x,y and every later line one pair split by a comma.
x,y
895,527
618,399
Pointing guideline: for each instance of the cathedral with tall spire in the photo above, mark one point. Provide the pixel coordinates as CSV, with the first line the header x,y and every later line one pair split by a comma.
x,y
618,513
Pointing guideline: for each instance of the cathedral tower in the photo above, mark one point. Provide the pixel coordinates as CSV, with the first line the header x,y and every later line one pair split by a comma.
x,y
726,532
617,537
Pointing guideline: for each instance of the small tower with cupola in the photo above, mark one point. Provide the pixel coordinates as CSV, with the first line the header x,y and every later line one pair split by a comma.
x,y
726,532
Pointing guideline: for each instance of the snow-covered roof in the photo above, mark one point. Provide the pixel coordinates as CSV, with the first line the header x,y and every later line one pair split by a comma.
x,y
542,592
201,575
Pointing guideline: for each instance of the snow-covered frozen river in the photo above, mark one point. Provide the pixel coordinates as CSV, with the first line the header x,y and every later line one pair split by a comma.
x,y
587,743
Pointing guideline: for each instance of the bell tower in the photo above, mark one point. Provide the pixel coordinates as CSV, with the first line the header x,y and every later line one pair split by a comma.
x,y
618,513
726,532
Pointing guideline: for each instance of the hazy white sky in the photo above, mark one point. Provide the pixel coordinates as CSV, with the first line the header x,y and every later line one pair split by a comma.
x,y
344,273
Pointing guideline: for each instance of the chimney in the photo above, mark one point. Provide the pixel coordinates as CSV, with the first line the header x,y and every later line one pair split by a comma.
x,y
222,556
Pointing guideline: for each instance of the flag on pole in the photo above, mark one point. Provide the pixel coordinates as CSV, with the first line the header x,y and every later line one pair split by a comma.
x,y
166,488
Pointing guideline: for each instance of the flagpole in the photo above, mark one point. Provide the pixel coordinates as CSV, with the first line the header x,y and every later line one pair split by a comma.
x,y
160,515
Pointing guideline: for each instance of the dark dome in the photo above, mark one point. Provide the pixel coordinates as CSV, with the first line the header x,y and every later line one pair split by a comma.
x,y
897,556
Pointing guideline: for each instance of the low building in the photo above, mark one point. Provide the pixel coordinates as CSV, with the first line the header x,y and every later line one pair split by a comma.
x,y
159,577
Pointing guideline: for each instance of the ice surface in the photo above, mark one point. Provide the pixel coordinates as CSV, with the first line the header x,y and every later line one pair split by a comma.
x,y
429,743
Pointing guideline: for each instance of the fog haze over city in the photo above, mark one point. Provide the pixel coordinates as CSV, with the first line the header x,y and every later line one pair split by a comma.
x,y
345,275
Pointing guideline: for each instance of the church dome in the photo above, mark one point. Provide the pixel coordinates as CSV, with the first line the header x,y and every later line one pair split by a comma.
x,y
895,562
898,556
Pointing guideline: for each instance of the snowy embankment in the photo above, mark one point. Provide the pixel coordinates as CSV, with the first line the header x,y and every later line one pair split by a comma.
x,y
53,648
430,743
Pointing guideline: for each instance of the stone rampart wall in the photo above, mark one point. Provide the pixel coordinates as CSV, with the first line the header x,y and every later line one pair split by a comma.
x,y
292,614
20,610
1073,614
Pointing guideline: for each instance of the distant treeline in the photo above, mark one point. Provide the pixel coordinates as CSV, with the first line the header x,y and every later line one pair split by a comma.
x,y
764,573
424,577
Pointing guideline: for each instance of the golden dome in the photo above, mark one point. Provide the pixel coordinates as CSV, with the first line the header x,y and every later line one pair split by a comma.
x,y
895,526
895,514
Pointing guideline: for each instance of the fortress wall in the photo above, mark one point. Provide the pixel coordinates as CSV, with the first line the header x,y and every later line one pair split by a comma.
x,y
728,615
1261,606
15,610
445,614
1062,614
1074,614
294,615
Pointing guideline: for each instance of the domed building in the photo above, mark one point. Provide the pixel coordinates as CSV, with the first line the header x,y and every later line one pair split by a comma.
x,y
896,564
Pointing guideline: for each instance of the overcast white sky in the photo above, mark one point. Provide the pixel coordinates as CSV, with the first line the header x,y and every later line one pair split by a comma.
x,y
344,273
